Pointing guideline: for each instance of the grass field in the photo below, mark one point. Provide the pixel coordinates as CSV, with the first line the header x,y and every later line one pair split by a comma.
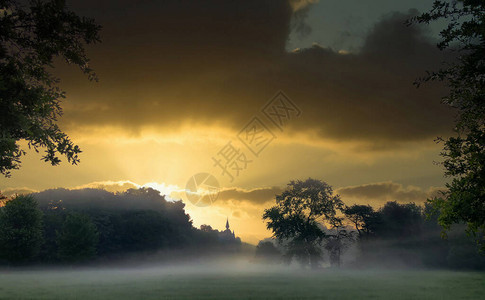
x,y
213,283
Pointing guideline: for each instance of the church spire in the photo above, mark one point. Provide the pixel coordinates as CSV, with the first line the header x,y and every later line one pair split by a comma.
x,y
227,223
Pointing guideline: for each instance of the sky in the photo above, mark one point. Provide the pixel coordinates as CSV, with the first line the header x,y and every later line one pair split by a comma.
x,y
255,93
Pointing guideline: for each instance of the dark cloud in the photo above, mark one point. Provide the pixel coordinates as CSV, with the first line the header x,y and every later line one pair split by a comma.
x,y
387,191
301,9
255,196
164,63
373,193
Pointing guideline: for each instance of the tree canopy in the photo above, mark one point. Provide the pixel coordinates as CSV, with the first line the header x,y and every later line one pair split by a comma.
x,y
32,35
363,217
20,229
77,239
298,218
464,153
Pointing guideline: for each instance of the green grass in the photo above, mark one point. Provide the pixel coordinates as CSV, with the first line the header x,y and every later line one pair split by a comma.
x,y
166,283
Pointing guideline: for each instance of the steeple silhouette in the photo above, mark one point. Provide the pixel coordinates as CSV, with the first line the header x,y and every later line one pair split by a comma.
x,y
227,235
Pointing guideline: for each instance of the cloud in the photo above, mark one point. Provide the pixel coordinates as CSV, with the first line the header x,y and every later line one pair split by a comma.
x,y
110,186
381,192
216,63
300,14
257,196
372,193
302,4
9,192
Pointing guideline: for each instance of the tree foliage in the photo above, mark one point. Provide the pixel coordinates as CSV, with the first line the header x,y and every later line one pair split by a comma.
x,y
20,230
464,153
338,239
32,35
399,220
299,215
266,252
363,217
77,239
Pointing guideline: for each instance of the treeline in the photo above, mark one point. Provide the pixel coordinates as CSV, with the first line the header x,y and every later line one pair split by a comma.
x,y
408,235
79,226
395,235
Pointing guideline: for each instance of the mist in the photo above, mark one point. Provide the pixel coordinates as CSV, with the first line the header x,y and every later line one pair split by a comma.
x,y
147,247
139,227
221,279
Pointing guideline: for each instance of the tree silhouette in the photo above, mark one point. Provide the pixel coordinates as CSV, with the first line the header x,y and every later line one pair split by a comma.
x,y
267,252
77,239
338,240
364,218
20,229
399,220
32,34
298,216
464,154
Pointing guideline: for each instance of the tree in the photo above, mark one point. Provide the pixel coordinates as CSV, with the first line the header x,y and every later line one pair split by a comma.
x,y
338,240
206,228
77,239
464,153
266,252
20,229
398,221
298,216
363,217
144,230
53,219
32,35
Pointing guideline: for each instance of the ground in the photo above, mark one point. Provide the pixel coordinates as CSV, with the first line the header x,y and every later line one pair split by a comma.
x,y
239,283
